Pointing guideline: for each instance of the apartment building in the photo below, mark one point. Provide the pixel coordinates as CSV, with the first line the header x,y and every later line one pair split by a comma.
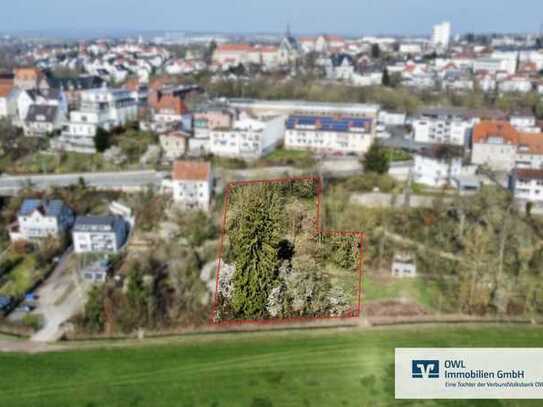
x,y
100,108
99,234
329,134
443,126
247,138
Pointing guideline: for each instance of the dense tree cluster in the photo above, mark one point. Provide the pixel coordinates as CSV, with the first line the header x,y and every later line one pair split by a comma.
x,y
276,264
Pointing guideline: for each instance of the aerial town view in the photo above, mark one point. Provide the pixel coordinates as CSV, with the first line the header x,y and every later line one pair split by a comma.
x,y
266,204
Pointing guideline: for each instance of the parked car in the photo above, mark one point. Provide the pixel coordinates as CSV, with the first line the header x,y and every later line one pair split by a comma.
x,y
31,297
5,302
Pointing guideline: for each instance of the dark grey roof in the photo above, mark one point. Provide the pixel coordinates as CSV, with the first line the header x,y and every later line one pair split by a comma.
x,y
291,42
42,113
78,83
338,59
48,207
97,223
50,94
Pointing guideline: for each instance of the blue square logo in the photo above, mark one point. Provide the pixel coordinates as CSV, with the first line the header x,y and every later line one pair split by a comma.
x,y
425,369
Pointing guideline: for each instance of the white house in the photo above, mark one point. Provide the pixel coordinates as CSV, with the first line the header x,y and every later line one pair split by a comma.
x,y
192,184
329,134
247,138
494,65
41,218
45,97
527,184
340,68
42,120
100,108
443,126
99,234
432,169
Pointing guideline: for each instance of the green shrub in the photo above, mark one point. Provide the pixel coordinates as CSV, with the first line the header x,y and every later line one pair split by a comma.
x,y
34,321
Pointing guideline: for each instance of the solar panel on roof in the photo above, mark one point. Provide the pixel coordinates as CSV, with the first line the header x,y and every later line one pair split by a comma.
x,y
328,123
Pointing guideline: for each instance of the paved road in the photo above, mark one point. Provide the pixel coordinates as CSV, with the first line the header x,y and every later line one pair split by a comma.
x,y
60,297
125,180
135,180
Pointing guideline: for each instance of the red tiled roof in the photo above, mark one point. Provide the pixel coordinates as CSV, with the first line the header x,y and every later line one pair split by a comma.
x,y
334,38
191,171
487,129
234,48
132,84
27,72
5,89
169,102
529,173
268,49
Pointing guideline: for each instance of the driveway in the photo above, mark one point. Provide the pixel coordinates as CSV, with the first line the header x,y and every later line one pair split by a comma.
x,y
60,298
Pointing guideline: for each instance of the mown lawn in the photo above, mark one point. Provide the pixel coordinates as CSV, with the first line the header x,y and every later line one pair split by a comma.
x,y
325,367
420,290
297,158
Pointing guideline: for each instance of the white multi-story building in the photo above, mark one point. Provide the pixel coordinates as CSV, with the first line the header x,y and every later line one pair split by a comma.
x,y
269,108
524,122
247,138
518,84
527,184
434,170
99,234
192,184
493,65
441,35
41,218
443,126
100,108
329,134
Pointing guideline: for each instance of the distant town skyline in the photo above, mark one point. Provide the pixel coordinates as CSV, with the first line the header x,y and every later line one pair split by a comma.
x,y
348,17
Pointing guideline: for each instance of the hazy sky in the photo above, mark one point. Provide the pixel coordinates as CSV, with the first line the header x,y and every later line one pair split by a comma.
x,y
305,16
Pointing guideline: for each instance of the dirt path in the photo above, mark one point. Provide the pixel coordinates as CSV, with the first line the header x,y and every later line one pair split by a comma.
x,y
60,297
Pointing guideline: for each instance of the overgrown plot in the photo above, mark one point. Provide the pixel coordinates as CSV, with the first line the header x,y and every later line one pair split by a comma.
x,y
276,263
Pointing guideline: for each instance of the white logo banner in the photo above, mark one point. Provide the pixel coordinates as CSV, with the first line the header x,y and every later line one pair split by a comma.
x,y
469,373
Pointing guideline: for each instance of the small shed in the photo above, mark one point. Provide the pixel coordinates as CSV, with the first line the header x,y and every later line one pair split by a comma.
x,y
404,266
96,272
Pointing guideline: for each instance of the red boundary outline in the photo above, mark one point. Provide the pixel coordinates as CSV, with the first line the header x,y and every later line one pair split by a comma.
x,y
350,314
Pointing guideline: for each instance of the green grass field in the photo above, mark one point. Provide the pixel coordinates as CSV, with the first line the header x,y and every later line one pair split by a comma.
x,y
324,367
